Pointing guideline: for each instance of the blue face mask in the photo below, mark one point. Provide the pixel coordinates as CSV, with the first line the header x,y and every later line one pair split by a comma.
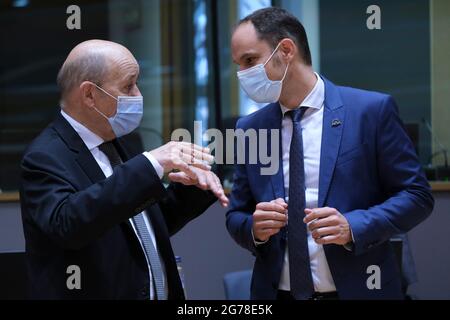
x,y
255,82
130,110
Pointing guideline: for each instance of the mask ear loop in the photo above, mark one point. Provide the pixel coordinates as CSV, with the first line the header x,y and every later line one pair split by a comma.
x,y
101,113
285,73
95,108
100,88
273,53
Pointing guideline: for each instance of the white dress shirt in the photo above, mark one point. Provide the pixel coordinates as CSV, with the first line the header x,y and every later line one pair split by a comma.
x,y
92,142
312,123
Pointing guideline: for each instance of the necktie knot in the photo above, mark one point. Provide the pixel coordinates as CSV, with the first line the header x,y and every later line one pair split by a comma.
x,y
297,114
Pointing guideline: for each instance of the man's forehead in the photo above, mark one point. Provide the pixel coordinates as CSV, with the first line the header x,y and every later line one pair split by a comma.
x,y
133,69
246,50
245,42
244,34
125,69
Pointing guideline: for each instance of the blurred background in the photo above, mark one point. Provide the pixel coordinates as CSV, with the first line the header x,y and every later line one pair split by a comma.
x,y
183,48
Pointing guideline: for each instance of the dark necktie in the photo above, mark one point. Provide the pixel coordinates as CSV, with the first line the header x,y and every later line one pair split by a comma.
x,y
302,286
110,151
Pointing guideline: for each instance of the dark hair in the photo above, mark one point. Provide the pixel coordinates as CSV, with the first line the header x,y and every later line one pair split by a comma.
x,y
274,24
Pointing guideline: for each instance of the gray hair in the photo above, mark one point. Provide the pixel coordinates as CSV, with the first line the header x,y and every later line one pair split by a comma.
x,y
88,67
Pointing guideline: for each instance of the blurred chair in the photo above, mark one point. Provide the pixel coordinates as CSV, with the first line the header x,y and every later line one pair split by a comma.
x,y
237,285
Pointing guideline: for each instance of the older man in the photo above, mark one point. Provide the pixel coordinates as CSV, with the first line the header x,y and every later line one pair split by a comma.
x,y
97,219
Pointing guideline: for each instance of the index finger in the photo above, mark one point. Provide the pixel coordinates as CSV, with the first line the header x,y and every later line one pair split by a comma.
x,y
184,167
195,147
224,201
318,213
271,206
280,201
269,215
195,154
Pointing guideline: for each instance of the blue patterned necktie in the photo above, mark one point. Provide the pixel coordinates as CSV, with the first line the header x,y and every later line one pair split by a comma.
x,y
110,151
302,286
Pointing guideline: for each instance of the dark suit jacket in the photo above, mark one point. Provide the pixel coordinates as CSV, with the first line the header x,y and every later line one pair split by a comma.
x,y
73,215
369,171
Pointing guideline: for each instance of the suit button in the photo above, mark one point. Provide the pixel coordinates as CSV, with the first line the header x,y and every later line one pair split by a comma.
x,y
144,291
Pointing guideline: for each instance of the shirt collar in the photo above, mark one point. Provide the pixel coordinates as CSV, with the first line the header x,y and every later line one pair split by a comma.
x,y
315,98
90,139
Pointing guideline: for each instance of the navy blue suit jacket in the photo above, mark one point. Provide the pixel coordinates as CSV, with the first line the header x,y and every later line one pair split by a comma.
x,y
369,171
73,215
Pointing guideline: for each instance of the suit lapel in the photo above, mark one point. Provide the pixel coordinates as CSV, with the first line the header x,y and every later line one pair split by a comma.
x,y
90,166
277,180
76,144
333,125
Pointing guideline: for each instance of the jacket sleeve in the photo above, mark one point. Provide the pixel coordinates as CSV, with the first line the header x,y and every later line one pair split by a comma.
x,y
239,218
408,195
73,218
183,204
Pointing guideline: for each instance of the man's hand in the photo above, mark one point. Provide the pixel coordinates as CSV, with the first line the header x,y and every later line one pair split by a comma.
x,y
268,219
205,180
327,225
183,156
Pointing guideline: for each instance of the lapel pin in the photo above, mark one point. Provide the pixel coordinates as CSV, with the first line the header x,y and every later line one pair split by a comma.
x,y
336,123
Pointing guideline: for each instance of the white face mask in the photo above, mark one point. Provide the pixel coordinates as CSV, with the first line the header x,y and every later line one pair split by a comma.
x,y
255,82
128,115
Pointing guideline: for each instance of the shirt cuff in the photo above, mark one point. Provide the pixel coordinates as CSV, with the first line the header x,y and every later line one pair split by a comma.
x,y
257,243
158,168
349,246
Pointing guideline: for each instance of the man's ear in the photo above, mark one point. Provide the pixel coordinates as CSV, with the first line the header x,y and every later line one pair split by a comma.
x,y
288,49
87,90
